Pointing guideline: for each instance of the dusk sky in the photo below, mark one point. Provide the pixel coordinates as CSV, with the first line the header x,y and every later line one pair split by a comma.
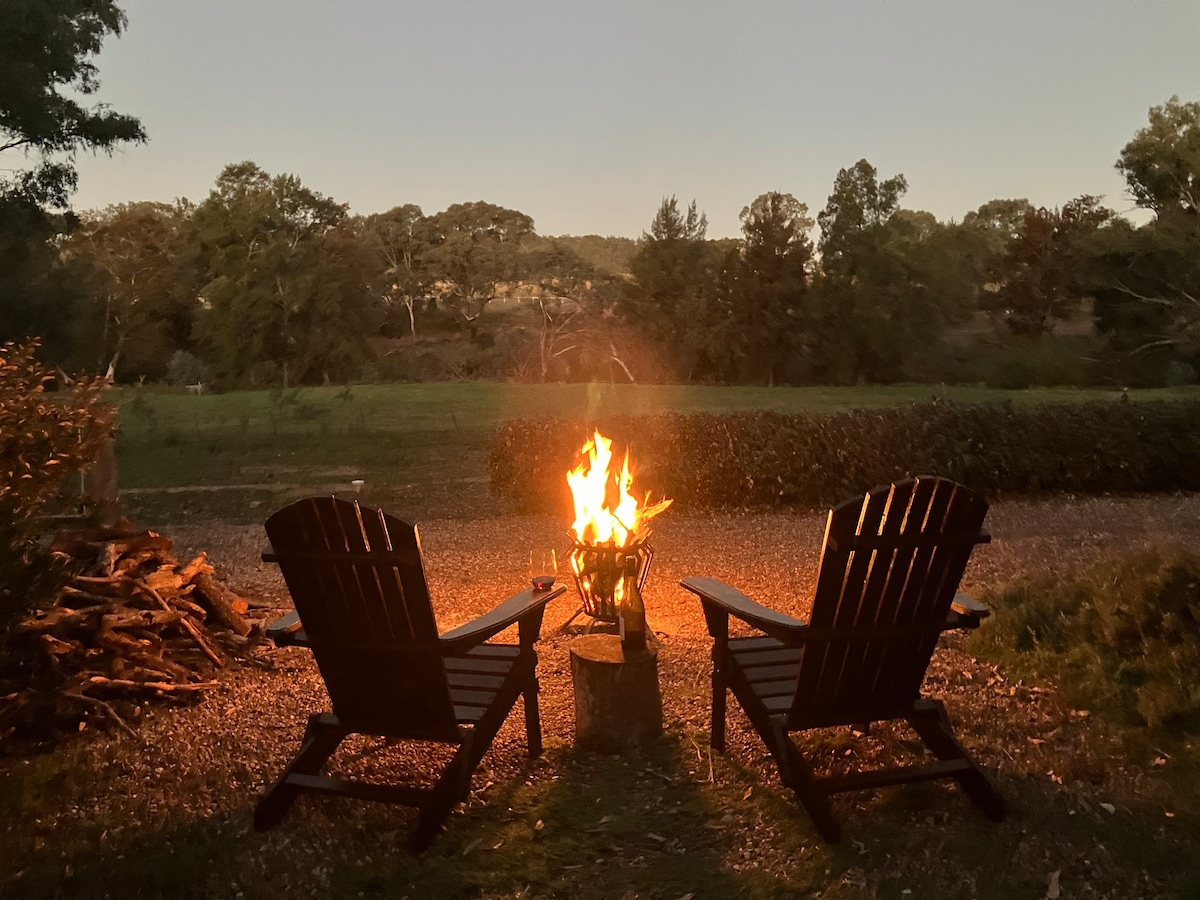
x,y
584,115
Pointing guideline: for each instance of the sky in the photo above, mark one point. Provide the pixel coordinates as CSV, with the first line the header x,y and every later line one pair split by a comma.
x,y
584,115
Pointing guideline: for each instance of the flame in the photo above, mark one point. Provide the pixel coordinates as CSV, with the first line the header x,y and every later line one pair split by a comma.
x,y
597,520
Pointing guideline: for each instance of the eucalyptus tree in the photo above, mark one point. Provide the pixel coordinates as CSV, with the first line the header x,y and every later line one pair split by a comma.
x,y
142,285
1146,281
286,298
476,248
1034,281
398,244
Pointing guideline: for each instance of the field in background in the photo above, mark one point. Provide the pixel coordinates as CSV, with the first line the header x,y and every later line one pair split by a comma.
x,y
424,446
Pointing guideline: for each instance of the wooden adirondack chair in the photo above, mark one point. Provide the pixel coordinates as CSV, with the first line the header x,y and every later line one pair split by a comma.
x,y
886,590
362,606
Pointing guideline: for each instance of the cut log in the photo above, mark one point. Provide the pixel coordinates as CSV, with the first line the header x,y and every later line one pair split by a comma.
x,y
617,700
224,603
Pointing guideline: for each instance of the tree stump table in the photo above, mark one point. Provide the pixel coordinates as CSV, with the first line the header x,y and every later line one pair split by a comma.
x,y
617,701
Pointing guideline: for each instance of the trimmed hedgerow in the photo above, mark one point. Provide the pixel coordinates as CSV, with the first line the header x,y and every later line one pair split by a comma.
x,y
765,458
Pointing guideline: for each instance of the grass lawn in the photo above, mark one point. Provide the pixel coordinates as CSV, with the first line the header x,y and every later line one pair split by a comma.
x,y
418,441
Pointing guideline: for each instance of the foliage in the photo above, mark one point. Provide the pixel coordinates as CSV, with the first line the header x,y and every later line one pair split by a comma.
x,y
884,287
1162,162
475,250
1123,638
44,440
141,275
398,243
764,458
610,255
285,299
670,302
47,49
1146,281
1034,280
186,368
764,289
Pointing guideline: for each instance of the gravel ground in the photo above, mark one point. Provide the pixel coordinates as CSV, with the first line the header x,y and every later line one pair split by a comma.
x,y
212,760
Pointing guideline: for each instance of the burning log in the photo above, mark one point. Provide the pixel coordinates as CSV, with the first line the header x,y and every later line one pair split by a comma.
x,y
135,623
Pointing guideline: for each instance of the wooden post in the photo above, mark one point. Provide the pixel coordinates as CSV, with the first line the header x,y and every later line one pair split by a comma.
x,y
617,700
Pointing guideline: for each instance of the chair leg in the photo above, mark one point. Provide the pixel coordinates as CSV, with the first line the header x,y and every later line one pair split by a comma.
x,y
451,788
797,774
719,698
933,728
321,738
533,717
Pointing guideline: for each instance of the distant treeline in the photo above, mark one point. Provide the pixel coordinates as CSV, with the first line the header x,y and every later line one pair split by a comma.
x,y
267,282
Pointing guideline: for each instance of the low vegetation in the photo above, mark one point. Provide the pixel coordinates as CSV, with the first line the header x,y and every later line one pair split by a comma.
x,y
46,438
1122,639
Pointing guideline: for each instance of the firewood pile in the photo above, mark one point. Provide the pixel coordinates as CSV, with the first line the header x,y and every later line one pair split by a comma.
x,y
133,624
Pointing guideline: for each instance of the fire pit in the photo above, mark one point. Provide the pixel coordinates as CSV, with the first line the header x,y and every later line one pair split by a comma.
x,y
617,700
610,525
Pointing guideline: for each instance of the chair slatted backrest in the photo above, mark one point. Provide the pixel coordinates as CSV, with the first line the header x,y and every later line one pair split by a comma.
x,y
356,578
889,571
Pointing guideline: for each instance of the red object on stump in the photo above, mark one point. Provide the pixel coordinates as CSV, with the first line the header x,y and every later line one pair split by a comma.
x,y
617,700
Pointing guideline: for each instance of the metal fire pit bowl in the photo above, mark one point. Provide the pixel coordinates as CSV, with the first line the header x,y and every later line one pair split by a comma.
x,y
598,569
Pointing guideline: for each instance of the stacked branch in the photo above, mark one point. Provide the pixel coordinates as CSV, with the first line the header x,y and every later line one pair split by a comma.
x,y
134,623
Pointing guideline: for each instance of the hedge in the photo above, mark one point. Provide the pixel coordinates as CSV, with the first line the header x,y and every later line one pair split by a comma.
x,y
759,459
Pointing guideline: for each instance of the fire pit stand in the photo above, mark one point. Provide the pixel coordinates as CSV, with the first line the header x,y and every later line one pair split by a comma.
x,y
597,568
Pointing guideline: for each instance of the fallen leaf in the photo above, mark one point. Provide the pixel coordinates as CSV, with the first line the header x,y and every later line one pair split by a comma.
x,y
1053,892
1108,808
749,791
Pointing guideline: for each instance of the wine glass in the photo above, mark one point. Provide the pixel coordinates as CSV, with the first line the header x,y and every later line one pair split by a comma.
x,y
543,568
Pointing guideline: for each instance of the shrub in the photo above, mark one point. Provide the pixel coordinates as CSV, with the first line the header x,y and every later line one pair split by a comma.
x,y
186,368
45,438
1122,639
766,458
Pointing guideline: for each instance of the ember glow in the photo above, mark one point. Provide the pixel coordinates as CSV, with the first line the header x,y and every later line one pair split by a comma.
x,y
606,511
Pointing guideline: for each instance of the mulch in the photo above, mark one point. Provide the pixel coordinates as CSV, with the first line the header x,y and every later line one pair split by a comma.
x,y
212,760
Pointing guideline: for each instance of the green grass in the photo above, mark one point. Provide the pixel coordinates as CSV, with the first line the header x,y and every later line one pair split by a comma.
x,y
426,439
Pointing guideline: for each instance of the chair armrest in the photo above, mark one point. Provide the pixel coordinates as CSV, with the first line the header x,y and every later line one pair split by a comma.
x,y
734,602
515,608
288,631
966,612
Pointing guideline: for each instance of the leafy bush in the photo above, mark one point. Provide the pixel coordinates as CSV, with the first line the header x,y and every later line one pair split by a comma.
x,y
765,458
1123,639
186,368
45,438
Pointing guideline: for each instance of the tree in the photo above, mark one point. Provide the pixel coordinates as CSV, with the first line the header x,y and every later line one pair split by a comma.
x,y
671,301
1161,164
47,48
1146,281
141,278
874,301
765,288
399,242
46,77
285,300
1034,281
999,221
859,205
476,249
